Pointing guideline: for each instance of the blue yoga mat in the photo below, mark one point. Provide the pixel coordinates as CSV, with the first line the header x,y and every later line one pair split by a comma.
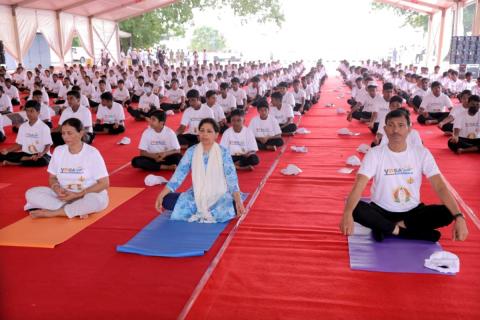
x,y
390,255
172,238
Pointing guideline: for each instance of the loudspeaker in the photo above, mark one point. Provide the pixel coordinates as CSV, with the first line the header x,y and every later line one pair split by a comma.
x,y
2,53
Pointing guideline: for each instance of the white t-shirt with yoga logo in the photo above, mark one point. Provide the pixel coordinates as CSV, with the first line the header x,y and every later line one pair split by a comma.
x,y
397,176
76,172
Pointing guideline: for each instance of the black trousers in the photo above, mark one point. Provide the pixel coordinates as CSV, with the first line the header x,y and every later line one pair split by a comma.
x,y
15,102
308,105
139,114
123,103
2,137
149,164
245,161
135,98
448,127
297,107
93,104
423,217
240,106
416,102
16,157
170,106
439,116
464,143
110,126
375,128
223,128
290,128
361,115
58,140
278,142
61,101
52,94
188,139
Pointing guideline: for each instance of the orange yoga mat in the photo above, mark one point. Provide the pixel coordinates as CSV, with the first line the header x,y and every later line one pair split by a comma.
x,y
49,232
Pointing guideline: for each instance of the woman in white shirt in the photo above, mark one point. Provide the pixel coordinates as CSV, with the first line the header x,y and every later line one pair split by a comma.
x,y
159,147
78,179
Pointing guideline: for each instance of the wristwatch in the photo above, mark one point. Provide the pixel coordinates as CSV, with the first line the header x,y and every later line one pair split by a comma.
x,y
455,216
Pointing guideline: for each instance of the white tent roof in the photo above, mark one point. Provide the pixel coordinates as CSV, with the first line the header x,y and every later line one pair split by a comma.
x,y
115,10
422,6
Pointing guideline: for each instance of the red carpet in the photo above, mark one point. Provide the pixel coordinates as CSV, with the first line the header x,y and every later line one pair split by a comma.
x,y
85,276
289,261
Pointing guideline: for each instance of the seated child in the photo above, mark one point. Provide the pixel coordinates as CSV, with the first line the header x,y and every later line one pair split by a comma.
x,y
283,113
266,128
240,142
110,116
32,148
159,147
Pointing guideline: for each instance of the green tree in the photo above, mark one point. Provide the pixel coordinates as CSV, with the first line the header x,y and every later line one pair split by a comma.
x,y
171,21
207,38
412,17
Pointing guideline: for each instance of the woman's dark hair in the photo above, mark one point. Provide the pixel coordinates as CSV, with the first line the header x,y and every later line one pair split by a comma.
x,y
211,121
73,122
160,115
398,113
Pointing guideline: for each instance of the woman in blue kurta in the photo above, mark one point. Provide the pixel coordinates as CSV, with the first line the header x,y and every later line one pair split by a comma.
x,y
215,195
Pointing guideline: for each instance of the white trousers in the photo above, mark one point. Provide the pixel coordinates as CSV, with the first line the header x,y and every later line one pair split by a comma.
x,y
46,198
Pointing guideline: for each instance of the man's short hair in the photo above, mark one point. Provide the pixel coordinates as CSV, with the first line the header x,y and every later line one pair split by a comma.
x,y
435,84
32,104
107,96
398,113
276,95
210,93
387,86
191,94
396,99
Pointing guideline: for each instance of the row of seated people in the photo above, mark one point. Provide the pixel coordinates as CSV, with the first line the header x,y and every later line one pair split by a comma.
x,y
398,160
434,107
78,177
110,119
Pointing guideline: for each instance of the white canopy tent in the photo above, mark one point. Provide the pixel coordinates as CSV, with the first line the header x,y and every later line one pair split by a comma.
x,y
445,19
95,22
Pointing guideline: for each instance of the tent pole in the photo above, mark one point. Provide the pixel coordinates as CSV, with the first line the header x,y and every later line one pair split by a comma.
x,y
440,40
60,35
90,24
17,36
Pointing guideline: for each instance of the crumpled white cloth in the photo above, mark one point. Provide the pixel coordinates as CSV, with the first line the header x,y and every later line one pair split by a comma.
x,y
152,180
297,113
340,110
444,262
303,131
346,132
125,140
291,170
363,148
345,170
202,218
330,105
354,161
301,149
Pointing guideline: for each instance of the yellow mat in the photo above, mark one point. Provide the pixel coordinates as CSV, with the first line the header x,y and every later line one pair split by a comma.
x,y
49,232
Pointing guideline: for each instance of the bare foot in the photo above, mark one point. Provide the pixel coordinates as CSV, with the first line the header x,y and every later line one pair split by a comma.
x,y
460,151
349,117
85,216
272,148
429,122
170,167
42,213
247,168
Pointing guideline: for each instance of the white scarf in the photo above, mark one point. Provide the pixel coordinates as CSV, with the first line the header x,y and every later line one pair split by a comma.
x,y
208,185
